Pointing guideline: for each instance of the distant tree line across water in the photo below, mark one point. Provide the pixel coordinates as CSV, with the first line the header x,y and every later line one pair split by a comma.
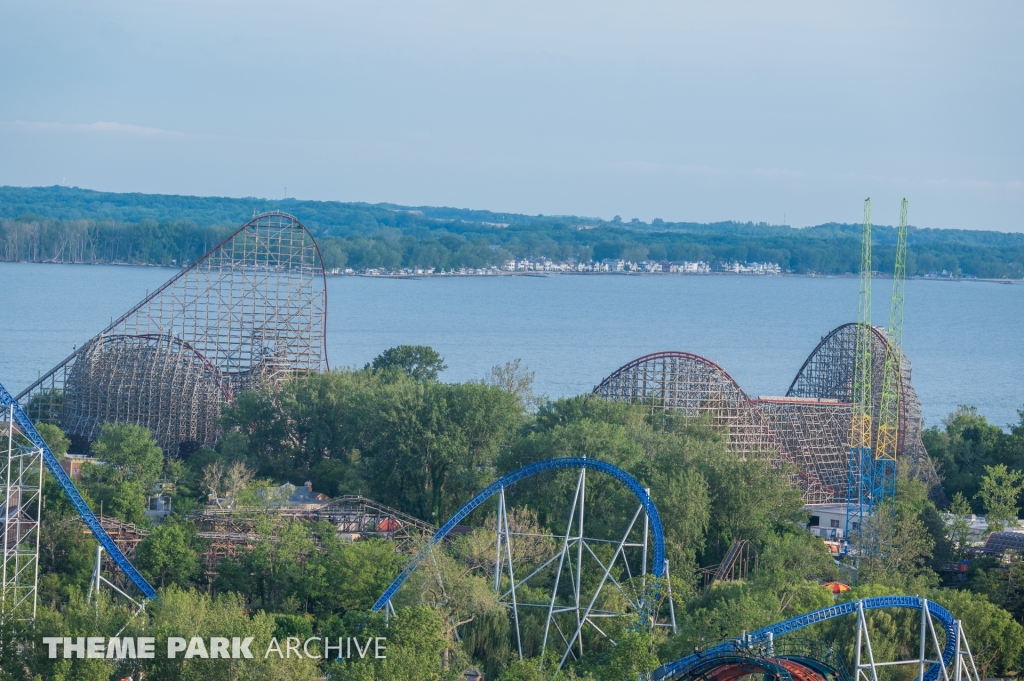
x,y
61,224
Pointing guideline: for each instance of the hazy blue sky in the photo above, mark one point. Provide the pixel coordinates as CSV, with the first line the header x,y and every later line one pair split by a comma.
x,y
681,110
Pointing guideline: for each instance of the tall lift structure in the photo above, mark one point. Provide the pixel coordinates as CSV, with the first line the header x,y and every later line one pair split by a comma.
x,y
859,498
883,482
21,502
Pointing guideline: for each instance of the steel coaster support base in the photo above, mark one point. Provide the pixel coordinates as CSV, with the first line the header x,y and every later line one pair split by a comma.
x,y
576,550
97,581
21,478
504,536
525,472
930,668
859,500
92,522
883,480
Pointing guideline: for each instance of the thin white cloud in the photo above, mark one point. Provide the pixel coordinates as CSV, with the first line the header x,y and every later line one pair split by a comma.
x,y
97,127
774,173
1011,187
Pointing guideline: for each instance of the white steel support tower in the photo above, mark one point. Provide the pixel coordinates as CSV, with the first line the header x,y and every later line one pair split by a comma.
x,y
21,477
930,644
576,604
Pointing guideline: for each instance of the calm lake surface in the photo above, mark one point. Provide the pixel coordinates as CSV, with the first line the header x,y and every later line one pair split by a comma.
x,y
965,339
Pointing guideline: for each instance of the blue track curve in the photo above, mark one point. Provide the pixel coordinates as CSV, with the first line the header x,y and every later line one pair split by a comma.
x,y
683,665
53,465
658,568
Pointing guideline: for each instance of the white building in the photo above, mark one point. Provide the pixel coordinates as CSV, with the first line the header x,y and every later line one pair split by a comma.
x,y
828,521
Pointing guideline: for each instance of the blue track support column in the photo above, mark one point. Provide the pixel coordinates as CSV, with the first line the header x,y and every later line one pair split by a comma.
x,y
91,521
883,481
658,567
859,498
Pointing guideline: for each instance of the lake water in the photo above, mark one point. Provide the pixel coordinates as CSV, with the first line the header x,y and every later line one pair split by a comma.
x,y
965,339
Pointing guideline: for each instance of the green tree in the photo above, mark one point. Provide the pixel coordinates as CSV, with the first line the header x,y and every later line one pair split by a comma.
x,y
962,448
168,555
515,377
257,427
128,465
355,573
958,525
632,657
791,560
321,413
309,430
997,642
999,491
751,499
129,454
714,496
418,648
524,670
66,552
894,546
1014,600
77,617
281,570
54,438
187,613
12,660
726,609
426,447
419,361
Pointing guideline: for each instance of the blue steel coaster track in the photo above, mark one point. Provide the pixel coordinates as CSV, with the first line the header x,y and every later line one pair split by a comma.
x,y
93,523
685,665
658,567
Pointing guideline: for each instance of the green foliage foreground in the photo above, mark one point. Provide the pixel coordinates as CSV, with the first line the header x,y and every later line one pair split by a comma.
x,y
400,436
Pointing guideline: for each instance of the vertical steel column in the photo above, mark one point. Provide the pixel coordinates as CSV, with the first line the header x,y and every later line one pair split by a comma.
x,y
561,563
671,605
647,525
39,531
7,504
511,573
924,622
579,551
864,638
498,535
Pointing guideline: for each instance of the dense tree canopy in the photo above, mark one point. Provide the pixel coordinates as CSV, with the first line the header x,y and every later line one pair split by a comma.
x,y
419,361
127,465
424,447
966,444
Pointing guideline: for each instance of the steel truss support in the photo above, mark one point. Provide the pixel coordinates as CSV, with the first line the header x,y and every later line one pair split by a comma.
x,y
943,653
929,650
572,608
577,610
963,660
29,432
21,477
97,581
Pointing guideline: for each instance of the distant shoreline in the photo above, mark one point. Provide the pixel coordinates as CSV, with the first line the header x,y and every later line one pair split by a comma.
x,y
439,275
670,274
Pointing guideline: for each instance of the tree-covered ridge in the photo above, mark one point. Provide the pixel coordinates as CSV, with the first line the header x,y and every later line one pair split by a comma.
x,y
60,224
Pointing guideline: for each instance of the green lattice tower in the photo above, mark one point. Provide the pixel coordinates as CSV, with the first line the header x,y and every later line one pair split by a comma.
x,y
858,499
883,484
